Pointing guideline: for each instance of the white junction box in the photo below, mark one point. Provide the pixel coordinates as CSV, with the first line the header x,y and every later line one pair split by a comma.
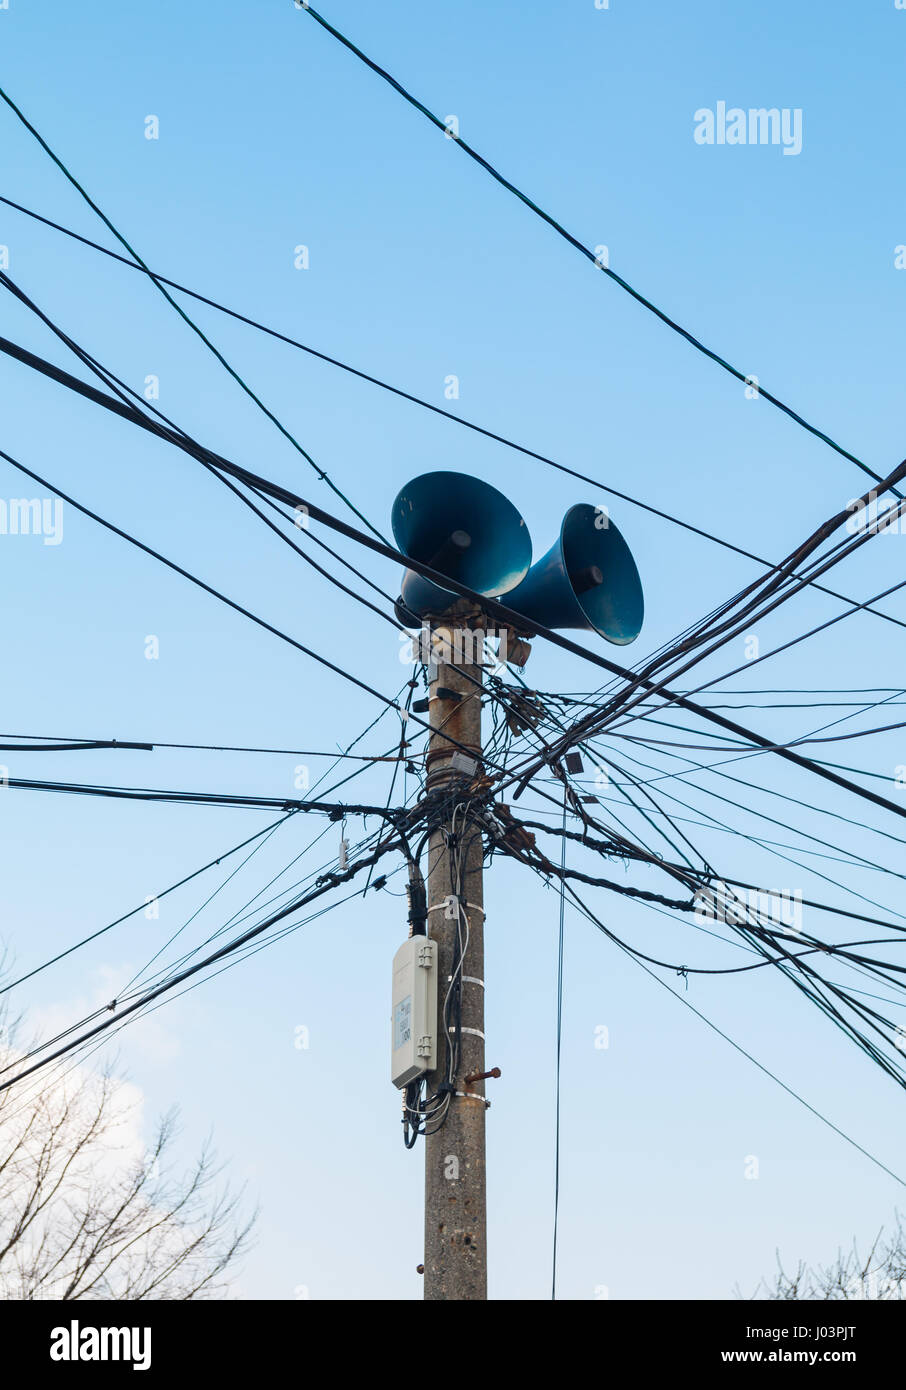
x,y
413,1019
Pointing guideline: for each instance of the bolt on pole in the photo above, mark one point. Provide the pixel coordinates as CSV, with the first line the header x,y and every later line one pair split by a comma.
x,y
455,1177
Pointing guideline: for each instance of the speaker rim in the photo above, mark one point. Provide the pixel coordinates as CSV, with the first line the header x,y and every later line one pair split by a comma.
x,y
631,574
519,533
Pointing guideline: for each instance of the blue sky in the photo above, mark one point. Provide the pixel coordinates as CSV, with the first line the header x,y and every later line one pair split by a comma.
x,y
272,136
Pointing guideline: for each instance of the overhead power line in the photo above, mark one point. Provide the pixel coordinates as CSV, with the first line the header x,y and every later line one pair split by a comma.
x,y
79,746
819,970
165,892
748,1055
490,606
579,246
268,803
48,745
695,636
117,1015
413,399
705,630
184,316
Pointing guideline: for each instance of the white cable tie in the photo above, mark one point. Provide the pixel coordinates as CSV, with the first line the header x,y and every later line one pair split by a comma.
x,y
452,897
476,1032
469,980
471,1095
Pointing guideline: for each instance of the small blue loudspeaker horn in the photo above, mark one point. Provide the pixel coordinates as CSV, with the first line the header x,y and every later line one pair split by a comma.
x,y
464,528
587,579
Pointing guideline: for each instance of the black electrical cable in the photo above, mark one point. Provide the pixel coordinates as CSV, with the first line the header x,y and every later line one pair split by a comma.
x,y
67,339
318,891
196,451
86,195
740,621
4,989
185,317
853,858
703,880
82,746
490,606
793,743
813,986
755,786
738,1047
574,242
215,593
122,390
636,680
200,798
175,434
88,743
436,409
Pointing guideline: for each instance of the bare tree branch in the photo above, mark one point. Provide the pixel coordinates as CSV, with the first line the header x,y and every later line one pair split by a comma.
x,y
89,1212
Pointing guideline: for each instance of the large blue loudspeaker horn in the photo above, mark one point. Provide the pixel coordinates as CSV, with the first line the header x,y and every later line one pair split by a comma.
x,y
588,579
464,528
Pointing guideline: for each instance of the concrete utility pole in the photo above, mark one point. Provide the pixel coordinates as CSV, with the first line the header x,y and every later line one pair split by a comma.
x,y
455,1181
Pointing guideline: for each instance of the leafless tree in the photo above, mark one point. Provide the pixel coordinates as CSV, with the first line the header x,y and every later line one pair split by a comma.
x,y
88,1211
880,1275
